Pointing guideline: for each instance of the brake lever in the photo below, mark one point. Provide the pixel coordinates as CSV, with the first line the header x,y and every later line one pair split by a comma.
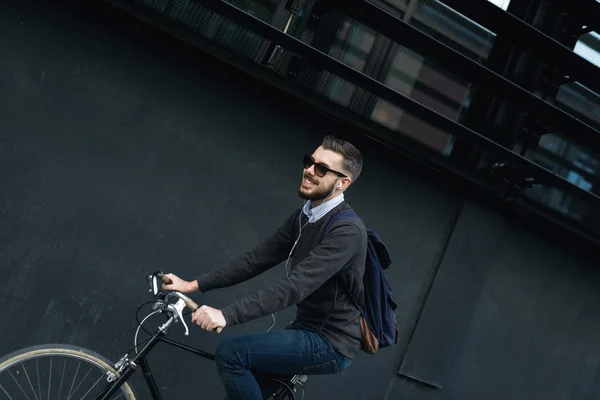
x,y
178,308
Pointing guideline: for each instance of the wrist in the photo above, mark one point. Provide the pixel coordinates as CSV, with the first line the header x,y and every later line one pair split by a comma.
x,y
192,286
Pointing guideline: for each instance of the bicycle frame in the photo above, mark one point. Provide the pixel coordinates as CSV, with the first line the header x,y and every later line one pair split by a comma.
x,y
140,359
125,367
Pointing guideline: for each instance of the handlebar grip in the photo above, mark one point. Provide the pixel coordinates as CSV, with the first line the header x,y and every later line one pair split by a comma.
x,y
164,279
192,305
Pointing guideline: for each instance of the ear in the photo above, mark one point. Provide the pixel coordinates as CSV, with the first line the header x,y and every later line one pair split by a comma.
x,y
343,183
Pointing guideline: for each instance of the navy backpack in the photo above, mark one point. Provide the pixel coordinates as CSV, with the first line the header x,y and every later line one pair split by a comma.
x,y
378,321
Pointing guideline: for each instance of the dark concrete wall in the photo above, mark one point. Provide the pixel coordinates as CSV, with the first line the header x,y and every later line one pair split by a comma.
x,y
123,152
509,316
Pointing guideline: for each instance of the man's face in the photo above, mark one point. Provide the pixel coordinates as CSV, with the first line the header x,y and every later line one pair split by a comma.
x,y
317,188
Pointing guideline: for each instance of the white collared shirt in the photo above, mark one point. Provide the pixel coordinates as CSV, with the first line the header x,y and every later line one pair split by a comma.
x,y
318,212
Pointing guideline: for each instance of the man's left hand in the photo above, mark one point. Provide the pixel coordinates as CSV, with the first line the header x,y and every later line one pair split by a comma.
x,y
208,318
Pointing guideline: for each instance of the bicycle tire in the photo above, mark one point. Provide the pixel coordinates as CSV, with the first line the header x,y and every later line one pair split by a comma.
x,y
11,362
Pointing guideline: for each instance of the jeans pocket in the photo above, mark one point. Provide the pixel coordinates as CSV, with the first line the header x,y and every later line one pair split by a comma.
x,y
330,367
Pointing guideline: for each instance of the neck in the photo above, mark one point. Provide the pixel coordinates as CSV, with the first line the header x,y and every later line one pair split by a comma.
x,y
316,203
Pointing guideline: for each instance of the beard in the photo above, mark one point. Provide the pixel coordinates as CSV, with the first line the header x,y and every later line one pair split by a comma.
x,y
317,194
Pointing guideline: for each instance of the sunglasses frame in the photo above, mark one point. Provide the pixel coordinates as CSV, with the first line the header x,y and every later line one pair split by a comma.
x,y
308,161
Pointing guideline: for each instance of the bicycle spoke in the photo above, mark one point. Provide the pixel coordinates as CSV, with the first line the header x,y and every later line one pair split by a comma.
x,y
4,390
29,380
82,379
73,383
93,386
37,368
49,378
11,375
62,378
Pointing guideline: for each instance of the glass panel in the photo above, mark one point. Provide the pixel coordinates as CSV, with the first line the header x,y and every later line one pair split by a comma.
x,y
397,67
193,16
585,216
412,75
451,28
335,88
578,165
503,4
349,42
588,47
580,102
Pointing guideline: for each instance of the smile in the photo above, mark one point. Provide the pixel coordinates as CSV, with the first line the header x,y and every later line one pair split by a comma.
x,y
308,182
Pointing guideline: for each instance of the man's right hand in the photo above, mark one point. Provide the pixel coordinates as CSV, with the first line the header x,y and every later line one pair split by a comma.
x,y
180,285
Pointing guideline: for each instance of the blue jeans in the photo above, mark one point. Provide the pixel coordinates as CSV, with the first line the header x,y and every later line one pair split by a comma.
x,y
243,361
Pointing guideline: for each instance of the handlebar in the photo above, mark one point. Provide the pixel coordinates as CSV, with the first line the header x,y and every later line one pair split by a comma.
x,y
191,304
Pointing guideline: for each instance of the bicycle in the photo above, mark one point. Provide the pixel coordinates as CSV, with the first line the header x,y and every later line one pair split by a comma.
x,y
101,379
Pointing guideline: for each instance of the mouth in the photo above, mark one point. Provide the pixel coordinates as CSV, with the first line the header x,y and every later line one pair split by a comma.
x,y
306,181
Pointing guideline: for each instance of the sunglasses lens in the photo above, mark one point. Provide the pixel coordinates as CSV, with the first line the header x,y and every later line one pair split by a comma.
x,y
307,161
320,170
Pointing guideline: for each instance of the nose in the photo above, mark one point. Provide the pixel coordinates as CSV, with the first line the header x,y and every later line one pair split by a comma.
x,y
311,170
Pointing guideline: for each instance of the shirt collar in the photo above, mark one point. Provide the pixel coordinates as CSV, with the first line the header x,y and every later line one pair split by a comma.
x,y
316,213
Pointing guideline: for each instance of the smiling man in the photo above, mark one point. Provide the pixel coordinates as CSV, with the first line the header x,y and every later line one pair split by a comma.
x,y
324,263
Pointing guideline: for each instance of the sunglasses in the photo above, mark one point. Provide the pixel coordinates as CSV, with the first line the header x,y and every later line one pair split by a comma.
x,y
320,169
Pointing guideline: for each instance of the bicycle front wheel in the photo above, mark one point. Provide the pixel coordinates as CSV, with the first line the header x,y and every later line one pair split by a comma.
x,y
56,372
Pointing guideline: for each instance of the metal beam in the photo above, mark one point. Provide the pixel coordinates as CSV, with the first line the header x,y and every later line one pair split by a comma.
x,y
591,42
524,35
408,36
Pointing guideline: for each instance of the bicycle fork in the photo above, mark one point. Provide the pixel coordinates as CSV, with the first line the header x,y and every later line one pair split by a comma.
x,y
125,367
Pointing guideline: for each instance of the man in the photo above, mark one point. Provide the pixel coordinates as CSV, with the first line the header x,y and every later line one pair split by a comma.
x,y
326,268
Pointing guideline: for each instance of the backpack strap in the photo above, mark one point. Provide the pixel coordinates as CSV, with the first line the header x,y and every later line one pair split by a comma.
x,y
347,213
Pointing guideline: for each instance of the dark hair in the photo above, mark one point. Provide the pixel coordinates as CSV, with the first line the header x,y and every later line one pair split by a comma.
x,y
352,157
